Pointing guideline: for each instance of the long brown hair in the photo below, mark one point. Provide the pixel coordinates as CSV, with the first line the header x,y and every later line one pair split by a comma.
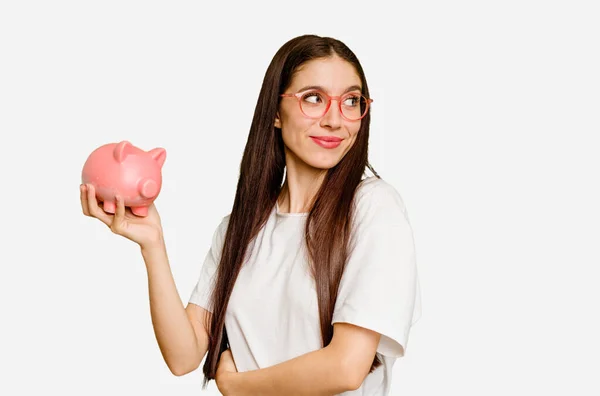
x,y
328,224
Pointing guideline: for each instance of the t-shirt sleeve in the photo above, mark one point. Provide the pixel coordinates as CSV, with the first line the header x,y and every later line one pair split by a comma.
x,y
202,291
379,289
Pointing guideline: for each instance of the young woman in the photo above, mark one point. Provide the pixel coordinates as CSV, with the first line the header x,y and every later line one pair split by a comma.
x,y
310,285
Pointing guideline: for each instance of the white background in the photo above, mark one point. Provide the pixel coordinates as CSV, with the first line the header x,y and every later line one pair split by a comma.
x,y
486,120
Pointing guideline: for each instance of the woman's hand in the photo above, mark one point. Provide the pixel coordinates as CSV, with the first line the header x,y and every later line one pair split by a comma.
x,y
145,231
225,369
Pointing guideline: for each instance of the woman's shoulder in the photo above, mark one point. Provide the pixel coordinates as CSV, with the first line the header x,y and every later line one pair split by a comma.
x,y
220,230
373,183
376,193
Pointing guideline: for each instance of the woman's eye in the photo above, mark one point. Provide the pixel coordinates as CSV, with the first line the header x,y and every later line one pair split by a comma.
x,y
352,101
313,97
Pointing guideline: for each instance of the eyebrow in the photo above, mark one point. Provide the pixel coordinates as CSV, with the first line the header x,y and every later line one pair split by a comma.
x,y
351,88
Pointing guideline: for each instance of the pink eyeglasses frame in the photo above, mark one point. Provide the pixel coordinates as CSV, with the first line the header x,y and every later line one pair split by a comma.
x,y
298,95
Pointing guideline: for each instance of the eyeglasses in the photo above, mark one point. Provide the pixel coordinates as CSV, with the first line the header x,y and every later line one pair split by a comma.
x,y
315,104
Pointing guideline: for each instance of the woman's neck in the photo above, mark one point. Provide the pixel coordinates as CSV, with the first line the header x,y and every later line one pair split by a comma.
x,y
301,184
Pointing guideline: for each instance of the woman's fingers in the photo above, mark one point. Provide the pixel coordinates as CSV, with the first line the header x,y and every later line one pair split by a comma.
x,y
83,198
118,220
95,210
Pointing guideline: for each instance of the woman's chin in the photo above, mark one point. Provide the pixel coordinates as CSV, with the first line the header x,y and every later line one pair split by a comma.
x,y
325,162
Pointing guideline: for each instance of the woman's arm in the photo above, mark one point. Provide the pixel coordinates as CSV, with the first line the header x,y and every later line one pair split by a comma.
x,y
339,367
181,333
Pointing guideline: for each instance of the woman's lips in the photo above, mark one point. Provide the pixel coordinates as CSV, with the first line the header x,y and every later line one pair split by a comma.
x,y
328,142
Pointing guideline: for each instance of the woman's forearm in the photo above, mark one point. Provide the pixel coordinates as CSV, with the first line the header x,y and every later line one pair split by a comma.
x,y
172,328
321,372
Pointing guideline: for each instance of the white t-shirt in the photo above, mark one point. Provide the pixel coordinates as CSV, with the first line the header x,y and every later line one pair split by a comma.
x,y
273,315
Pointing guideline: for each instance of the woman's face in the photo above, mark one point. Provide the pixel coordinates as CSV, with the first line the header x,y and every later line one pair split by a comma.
x,y
300,134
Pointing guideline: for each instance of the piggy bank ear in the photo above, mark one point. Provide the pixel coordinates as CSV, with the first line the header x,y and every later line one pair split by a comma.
x,y
123,149
159,155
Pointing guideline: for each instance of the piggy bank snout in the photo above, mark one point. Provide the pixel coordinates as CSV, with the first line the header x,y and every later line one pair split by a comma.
x,y
148,188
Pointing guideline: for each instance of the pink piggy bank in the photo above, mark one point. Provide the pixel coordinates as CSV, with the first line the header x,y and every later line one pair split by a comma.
x,y
121,168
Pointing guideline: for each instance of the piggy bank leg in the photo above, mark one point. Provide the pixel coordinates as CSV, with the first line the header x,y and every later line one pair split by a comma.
x,y
109,206
140,211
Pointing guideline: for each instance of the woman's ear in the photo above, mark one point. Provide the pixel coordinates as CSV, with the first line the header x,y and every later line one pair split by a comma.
x,y
277,121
